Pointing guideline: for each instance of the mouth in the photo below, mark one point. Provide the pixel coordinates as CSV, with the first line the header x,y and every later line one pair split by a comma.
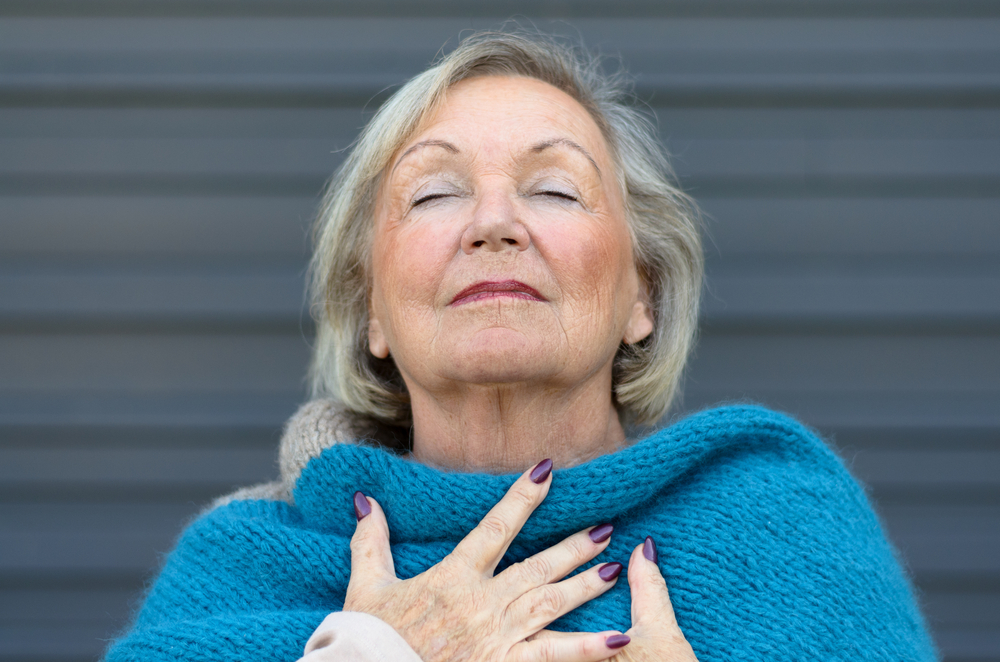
x,y
491,290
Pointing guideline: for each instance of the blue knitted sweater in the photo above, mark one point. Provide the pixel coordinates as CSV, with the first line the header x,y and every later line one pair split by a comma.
x,y
770,549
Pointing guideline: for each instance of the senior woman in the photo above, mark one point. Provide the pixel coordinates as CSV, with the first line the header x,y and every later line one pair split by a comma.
x,y
504,278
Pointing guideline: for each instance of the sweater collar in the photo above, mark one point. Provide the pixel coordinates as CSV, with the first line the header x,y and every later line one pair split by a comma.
x,y
424,504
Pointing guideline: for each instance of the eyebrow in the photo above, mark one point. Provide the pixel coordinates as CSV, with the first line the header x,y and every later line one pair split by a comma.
x,y
566,142
540,147
425,143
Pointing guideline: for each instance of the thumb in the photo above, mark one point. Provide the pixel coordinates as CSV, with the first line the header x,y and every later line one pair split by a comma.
x,y
650,598
371,558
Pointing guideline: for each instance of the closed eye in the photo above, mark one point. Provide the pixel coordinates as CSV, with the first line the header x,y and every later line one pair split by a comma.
x,y
559,194
429,197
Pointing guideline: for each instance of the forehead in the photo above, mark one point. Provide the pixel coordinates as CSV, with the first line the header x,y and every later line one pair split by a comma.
x,y
510,112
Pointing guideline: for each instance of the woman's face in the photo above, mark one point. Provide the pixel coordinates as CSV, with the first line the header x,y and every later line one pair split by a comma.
x,y
501,251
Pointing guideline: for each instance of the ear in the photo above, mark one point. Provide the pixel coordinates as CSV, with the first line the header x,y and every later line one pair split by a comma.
x,y
640,324
376,339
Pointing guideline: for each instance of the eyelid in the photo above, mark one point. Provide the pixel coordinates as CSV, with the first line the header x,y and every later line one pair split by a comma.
x,y
558,194
433,191
560,189
429,197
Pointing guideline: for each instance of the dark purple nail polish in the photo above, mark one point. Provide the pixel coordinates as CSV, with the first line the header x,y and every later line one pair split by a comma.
x,y
649,550
541,471
617,640
362,508
609,571
601,533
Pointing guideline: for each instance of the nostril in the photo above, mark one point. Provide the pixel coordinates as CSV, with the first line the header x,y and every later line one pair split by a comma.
x,y
512,242
477,244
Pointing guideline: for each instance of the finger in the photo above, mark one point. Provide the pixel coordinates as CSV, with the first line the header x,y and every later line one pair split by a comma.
x,y
650,597
488,542
550,646
557,561
371,558
537,608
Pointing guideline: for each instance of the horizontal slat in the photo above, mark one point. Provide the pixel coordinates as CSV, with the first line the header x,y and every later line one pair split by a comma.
x,y
868,408
733,363
329,125
87,641
49,436
939,542
706,38
276,228
916,470
163,363
964,644
83,642
40,606
288,157
89,538
948,540
313,160
742,294
739,294
177,410
242,227
62,644
501,8
896,364
243,295
848,227
786,61
134,468
676,126
950,608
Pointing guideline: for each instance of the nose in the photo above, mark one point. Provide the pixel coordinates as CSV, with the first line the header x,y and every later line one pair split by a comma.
x,y
495,226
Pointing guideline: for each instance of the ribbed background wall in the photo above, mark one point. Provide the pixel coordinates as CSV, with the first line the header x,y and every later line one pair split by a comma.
x,y
160,163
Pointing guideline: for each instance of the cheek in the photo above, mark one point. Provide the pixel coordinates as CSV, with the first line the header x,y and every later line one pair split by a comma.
x,y
408,267
590,265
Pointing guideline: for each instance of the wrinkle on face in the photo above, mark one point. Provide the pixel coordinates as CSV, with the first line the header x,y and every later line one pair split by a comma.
x,y
505,143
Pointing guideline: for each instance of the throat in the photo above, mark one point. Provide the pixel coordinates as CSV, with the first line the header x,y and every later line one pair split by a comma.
x,y
508,435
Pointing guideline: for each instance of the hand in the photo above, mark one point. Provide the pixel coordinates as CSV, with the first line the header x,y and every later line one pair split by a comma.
x,y
655,633
458,609
655,636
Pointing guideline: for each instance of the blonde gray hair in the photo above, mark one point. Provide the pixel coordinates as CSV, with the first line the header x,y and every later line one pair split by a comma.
x,y
664,224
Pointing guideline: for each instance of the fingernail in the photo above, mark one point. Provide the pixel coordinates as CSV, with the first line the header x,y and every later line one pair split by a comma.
x,y
617,640
362,508
601,533
541,471
609,571
649,550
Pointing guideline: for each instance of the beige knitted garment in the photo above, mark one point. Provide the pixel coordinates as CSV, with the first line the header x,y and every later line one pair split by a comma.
x,y
316,426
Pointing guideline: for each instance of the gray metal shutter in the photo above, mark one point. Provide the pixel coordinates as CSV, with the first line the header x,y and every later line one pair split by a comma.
x,y
160,163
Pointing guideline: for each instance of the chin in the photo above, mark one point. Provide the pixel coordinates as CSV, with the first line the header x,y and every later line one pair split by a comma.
x,y
502,355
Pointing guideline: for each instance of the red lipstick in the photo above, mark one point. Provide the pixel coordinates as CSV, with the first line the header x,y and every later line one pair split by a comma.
x,y
491,290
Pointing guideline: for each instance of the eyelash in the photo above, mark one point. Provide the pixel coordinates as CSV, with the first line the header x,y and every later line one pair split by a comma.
x,y
437,196
429,198
559,194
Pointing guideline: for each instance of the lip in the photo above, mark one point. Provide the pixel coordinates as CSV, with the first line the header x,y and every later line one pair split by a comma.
x,y
493,289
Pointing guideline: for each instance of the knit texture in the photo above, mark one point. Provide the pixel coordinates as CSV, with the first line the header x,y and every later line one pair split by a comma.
x,y
770,549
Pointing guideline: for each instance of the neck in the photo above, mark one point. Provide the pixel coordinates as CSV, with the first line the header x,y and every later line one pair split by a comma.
x,y
510,427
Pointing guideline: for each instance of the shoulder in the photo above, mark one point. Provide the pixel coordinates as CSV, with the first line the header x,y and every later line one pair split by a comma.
x,y
742,432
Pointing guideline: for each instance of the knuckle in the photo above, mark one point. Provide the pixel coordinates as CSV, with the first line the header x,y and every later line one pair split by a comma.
x,y
578,550
549,602
547,651
536,569
495,527
591,582
523,497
